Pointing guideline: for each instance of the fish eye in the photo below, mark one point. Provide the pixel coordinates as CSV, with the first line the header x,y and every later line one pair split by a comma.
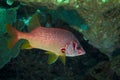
x,y
63,50
78,47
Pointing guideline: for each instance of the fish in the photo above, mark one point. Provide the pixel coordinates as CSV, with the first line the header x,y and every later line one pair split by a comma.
x,y
57,42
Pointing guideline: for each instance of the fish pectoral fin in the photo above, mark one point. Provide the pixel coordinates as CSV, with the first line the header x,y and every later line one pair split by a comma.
x,y
63,58
48,52
52,57
26,45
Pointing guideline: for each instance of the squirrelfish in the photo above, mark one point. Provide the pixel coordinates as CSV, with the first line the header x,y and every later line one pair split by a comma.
x,y
57,42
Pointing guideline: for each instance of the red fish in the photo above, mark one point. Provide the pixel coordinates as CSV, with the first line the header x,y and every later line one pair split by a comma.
x,y
57,42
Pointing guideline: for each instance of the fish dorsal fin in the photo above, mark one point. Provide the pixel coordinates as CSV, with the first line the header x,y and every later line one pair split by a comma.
x,y
52,57
34,21
26,45
63,58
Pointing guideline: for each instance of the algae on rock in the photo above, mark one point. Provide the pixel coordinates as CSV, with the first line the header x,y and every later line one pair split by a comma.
x,y
7,16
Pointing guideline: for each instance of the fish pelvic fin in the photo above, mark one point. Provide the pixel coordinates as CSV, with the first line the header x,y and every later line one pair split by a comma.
x,y
14,35
63,58
52,58
26,45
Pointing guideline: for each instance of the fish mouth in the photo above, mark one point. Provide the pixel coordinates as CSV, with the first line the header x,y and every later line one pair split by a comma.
x,y
83,53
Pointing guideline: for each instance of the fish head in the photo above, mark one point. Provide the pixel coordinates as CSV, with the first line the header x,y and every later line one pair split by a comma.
x,y
74,49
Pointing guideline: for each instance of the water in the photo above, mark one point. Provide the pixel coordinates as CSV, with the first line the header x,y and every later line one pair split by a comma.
x,y
31,64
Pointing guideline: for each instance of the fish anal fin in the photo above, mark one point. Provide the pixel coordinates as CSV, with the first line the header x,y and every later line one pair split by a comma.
x,y
62,58
26,45
52,57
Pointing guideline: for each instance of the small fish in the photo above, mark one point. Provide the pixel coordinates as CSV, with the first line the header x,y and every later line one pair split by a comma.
x,y
57,42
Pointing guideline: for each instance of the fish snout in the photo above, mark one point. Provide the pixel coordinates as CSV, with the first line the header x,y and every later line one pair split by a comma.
x,y
81,51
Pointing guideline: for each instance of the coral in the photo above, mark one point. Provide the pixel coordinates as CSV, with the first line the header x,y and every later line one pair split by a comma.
x,y
102,19
52,4
115,62
69,16
102,71
6,54
7,16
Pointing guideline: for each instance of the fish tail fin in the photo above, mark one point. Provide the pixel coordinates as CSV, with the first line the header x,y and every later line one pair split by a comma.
x,y
14,35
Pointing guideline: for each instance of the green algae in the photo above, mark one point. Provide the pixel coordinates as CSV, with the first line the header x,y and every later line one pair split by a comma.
x,y
5,53
7,16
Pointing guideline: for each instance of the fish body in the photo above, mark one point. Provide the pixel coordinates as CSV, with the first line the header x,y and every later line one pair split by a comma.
x,y
58,41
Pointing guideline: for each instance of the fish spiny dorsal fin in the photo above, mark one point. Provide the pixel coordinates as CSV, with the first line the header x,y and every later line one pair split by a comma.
x,y
52,57
63,58
34,21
